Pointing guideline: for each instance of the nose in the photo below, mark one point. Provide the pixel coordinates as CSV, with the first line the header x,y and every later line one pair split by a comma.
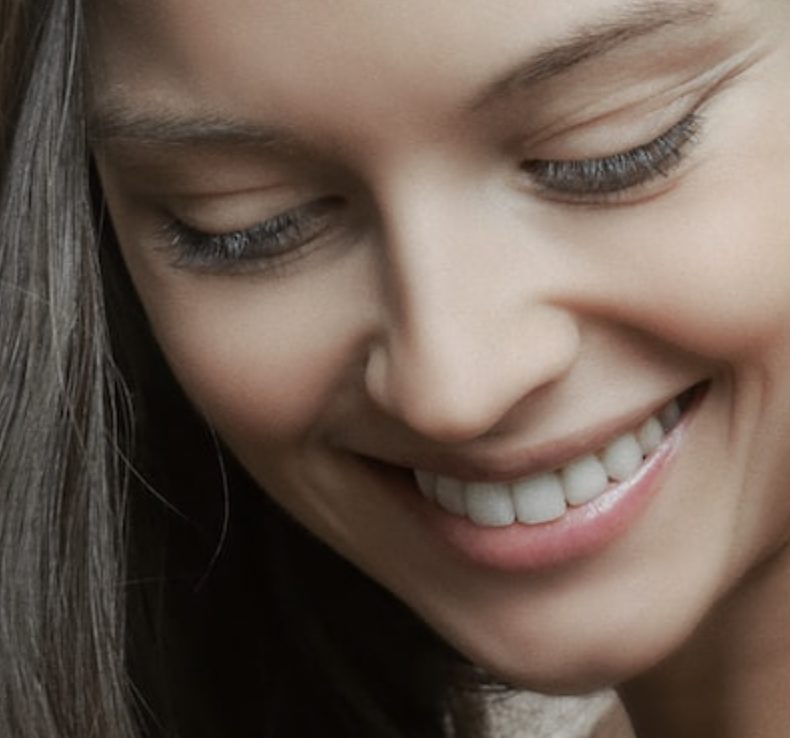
x,y
472,327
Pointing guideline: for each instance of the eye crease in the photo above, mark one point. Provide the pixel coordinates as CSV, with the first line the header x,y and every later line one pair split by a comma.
x,y
596,179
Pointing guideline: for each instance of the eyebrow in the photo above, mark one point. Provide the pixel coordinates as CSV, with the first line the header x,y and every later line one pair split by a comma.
x,y
126,124
595,40
123,123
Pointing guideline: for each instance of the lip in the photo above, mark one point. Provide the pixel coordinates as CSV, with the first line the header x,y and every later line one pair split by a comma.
x,y
581,533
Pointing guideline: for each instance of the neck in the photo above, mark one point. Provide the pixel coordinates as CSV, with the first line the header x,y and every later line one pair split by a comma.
x,y
729,680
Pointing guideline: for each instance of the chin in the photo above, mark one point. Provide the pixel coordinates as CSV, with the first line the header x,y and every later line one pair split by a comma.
x,y
576,664
582,634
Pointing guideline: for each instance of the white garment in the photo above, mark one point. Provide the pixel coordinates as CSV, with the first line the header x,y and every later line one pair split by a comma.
x,y
529,715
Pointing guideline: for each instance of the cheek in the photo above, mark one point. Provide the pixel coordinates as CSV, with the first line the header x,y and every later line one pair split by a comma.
x,y
726,290
725,268
260,358
711,272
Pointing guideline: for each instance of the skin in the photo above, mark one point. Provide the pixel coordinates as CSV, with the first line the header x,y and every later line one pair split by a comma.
x,y
453,312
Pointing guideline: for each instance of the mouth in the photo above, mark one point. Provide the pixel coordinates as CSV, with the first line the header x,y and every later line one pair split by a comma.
x,y
548,495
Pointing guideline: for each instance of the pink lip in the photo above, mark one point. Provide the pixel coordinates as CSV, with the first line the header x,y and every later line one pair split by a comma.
x,y
580,533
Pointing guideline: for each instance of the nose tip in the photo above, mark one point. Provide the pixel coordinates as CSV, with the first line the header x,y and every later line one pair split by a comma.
x,y
443,410
462,386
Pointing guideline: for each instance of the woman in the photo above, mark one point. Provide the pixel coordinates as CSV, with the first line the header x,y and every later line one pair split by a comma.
x,y
492,301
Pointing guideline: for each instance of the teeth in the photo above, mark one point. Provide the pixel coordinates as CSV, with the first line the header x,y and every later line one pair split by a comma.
x,y
539,499
490,504
622,457
584,480
650,435
427,484
670,415
450,495
546,497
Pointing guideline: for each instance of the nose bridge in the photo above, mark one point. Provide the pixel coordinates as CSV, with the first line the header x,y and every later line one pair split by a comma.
x,y
469,331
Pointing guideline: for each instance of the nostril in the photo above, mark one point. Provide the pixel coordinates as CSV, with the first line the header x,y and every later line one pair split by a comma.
x,y
376,379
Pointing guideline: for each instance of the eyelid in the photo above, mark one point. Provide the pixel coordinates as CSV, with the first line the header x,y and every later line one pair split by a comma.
x,y
604,179
262,247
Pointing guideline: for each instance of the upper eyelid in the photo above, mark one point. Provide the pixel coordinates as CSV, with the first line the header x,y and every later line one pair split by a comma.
x,y
176,228
694,95
184,243
178,235
685,128
586,189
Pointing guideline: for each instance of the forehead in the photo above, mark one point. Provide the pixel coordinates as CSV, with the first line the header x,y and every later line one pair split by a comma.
x,y
330,64
197,44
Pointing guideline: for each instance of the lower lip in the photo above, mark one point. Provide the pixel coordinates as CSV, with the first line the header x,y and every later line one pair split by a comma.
x,y
581,533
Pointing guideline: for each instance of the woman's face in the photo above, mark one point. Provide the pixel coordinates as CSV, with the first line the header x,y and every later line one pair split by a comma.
x,y
489,243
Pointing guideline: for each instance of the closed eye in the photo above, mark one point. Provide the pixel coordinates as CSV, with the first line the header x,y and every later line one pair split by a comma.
x,y
267,244
599,179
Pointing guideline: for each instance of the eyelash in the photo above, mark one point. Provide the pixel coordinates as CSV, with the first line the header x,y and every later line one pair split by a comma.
x,y
281,239
601,180
271,243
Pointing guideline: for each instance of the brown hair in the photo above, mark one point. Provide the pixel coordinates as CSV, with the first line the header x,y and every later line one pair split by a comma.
x,y
61,617
120,614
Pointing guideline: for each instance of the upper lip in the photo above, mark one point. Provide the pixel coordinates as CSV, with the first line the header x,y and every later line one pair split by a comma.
x,y
505,465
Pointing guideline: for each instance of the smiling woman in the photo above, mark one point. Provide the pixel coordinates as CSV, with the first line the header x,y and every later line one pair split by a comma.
x,y
360,359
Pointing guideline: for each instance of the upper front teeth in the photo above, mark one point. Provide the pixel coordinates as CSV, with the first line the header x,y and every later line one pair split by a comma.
x,y
584,480
546,496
